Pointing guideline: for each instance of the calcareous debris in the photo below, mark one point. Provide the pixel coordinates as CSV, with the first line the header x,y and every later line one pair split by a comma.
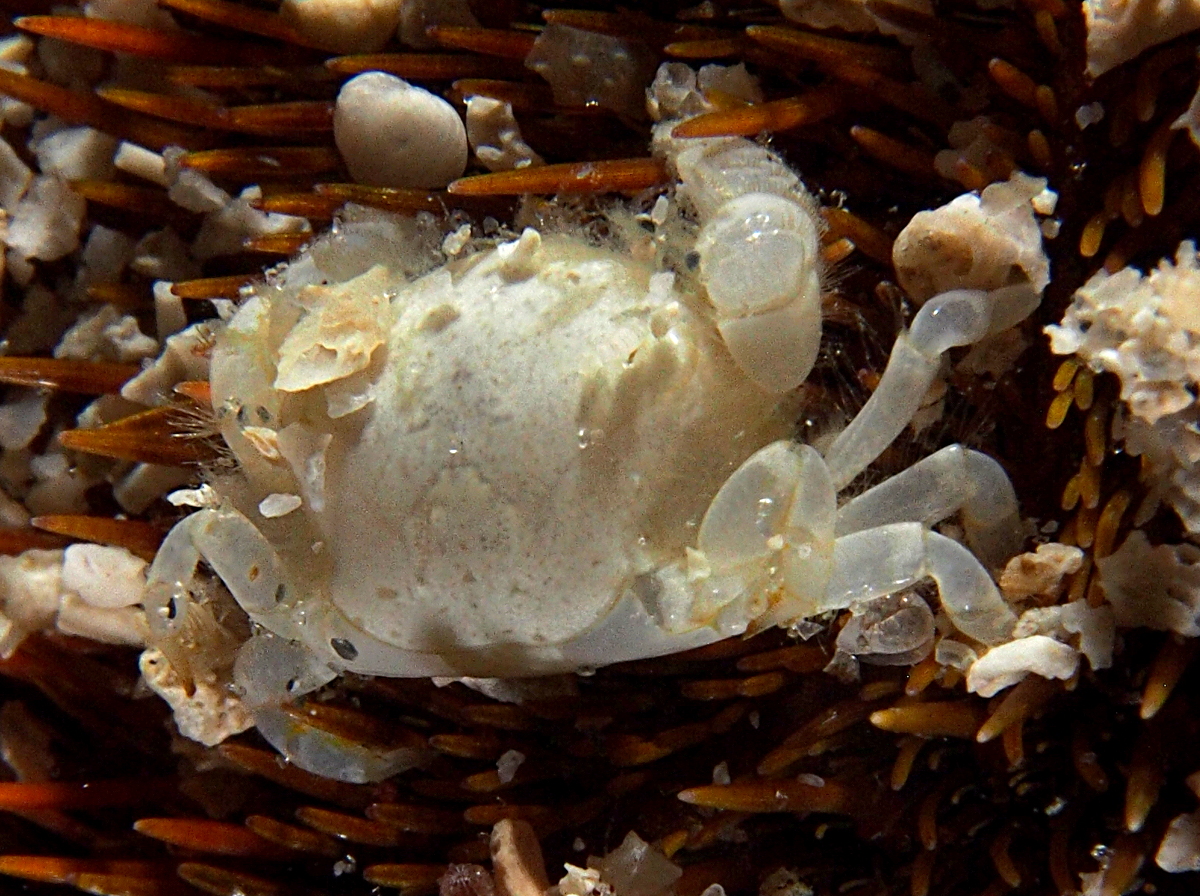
x,y
1145,329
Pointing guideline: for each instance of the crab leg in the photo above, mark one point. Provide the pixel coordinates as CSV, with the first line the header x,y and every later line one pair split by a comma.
x,y
953,480
883,560
958,317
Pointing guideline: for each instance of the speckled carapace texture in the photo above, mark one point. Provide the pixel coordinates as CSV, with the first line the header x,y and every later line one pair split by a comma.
x,y
1025,813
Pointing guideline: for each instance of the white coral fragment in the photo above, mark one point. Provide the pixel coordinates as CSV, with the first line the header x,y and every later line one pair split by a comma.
x,y
495,136
1041,572
21,418
1145,328
79,153
104,577
1153,587
1004,666
586,68
635,868
184,357
507,765
1094,626
96,599
1180,847
30,586
105,334
205,710
986,241
45,223
1119,30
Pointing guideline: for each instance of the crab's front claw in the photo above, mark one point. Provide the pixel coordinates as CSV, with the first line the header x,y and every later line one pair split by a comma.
x,y
759,262
765,546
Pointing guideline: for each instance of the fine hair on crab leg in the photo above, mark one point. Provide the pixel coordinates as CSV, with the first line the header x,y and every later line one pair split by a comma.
x,y
759,250
883,560
955,318
952,480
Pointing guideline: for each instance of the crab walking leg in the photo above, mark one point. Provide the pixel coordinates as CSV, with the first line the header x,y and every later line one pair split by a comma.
x,y
952,480
268,669
883,560
238,553
958,317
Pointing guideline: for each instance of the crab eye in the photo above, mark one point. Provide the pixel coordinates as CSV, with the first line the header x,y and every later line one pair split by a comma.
x,y
344,649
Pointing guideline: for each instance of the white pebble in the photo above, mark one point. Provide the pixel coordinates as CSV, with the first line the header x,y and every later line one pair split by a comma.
x,y
392,134
274,505
507,765
344,26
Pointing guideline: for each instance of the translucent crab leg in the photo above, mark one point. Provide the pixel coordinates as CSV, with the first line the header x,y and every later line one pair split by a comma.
x,y
238,553
879,561
958,317
953,480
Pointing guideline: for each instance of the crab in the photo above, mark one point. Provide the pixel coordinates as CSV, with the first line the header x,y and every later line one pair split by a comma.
x,y
552,455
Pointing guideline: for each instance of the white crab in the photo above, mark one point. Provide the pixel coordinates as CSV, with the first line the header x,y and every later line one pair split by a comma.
x,y
551,456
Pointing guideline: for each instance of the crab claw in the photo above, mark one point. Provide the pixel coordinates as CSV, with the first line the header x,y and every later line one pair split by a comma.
x,y
760,263
765,546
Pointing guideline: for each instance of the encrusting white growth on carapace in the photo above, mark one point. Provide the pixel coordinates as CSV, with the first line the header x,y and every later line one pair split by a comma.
x,y
548,454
